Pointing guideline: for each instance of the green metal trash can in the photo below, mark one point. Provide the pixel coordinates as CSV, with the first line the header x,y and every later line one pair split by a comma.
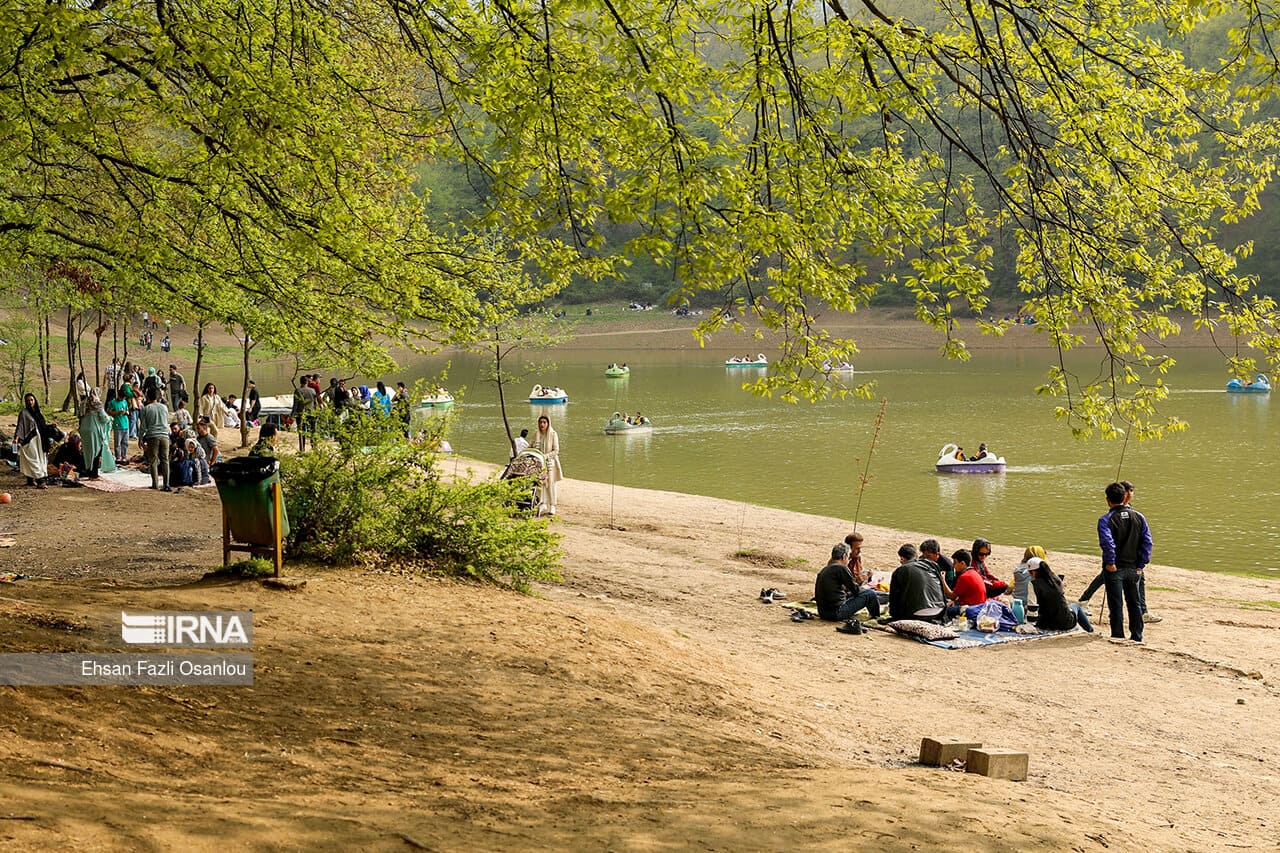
x,y
253,513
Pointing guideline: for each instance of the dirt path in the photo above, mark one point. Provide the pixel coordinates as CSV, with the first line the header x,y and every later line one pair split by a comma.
x,y
648,702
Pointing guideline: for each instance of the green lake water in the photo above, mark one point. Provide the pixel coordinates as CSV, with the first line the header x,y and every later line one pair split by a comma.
x,y
1209,493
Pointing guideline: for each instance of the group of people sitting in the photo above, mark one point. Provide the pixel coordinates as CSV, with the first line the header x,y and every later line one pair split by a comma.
x,y
929,586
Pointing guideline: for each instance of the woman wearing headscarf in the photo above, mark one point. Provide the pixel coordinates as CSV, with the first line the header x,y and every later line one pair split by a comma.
x,y
981,551
32,461
1055,614
1022,589
210,406
95,437
117,408
548,444
381,399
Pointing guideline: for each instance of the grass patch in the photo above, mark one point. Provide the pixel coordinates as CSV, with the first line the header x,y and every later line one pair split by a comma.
x,y
1265,604
254,567
773,561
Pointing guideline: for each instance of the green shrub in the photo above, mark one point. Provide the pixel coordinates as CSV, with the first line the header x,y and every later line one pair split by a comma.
x,y
372,495
254,567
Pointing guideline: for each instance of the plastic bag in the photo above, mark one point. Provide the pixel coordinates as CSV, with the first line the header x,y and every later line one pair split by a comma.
x,y
991,616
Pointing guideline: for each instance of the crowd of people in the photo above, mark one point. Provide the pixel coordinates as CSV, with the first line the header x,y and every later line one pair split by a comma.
x,y
141,404
930,586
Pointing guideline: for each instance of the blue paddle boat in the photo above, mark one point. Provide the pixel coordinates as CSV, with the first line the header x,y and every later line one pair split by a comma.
x,y
1259,385
548,396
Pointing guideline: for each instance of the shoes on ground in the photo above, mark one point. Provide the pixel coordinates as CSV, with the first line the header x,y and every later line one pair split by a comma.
x,y
1151,617
853,626
769,595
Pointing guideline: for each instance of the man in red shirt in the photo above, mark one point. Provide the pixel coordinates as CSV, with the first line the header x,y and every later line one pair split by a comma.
x,y
970,587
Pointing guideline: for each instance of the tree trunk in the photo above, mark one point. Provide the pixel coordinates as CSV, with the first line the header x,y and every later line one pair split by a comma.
x,y
73,395
502,399
195,379
97,350
246,344
42,332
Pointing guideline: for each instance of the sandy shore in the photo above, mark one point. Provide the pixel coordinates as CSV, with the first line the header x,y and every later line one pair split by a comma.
x,y
647,702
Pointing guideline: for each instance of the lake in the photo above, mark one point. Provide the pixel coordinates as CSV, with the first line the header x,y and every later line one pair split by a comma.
x,y
1209,493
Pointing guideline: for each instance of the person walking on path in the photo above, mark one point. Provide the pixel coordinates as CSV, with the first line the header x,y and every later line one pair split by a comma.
x,y
548,443
1125,540
153,427
177,388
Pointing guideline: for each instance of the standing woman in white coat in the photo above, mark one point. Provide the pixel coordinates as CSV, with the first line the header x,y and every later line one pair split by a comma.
x,y
210,406
548,443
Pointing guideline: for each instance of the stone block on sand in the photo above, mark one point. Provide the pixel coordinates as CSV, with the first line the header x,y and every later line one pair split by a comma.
x,y
941,751
997,763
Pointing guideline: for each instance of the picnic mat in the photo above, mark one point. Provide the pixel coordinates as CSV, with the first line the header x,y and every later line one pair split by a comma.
x,y
119,480
971,638
123,480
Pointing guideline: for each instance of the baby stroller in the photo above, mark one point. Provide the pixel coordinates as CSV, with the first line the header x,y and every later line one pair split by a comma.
x,y
529,467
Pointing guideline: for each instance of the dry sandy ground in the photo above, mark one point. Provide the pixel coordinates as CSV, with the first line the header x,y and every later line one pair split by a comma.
x,y
649,702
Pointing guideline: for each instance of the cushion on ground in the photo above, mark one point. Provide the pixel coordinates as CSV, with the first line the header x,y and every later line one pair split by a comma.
x,y
924,630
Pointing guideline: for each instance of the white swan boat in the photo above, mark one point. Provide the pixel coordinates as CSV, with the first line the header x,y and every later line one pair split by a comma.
x,y
748,361
548,395
951,461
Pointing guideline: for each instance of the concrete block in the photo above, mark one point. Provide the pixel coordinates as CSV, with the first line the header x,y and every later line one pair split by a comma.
x,y
997,763
941,751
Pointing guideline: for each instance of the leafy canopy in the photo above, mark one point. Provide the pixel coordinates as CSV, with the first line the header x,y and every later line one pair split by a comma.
x,y
795,158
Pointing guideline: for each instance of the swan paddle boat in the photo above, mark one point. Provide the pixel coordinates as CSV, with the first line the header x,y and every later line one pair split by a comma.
x,y
548,396
439,399
617,371
619,425
1259,385
748,361
988,463
842,367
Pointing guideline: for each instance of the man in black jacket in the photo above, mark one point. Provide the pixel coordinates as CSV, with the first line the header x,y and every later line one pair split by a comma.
x,y
914,589
838,595
1125,541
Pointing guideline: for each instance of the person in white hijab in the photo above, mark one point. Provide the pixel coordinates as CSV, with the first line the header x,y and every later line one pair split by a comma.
x,y
29,437
548,444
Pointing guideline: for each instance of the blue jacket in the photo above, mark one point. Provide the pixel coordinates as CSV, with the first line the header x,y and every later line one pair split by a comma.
x,y
1125,538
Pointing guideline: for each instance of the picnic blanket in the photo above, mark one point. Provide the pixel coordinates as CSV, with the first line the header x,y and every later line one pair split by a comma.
x,y
123,480
971,638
